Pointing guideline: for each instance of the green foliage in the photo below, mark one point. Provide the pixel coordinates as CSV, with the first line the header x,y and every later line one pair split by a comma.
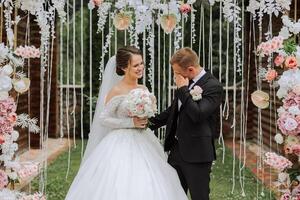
x,y
290,47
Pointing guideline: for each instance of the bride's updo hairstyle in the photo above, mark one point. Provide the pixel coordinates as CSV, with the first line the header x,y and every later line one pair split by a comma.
x,y
123,58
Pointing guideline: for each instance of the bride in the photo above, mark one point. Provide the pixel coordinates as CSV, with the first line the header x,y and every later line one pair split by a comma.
x,y
123,160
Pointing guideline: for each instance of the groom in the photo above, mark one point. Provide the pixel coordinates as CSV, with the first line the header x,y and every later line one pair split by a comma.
x,y
191,123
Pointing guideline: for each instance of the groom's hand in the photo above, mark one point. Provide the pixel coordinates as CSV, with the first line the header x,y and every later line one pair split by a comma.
x,y
180,80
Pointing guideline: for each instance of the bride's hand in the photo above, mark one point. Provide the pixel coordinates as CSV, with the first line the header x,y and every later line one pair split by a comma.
x,y
140,122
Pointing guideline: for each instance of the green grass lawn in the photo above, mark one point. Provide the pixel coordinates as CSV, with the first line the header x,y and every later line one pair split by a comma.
x,y
221,183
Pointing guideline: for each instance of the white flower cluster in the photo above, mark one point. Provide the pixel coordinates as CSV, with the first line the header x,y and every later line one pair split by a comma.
x,y
8,5
150,43
289,27
268,6
32,6
24,121
3,52
102,13
9,147
59,5
287,81
143,16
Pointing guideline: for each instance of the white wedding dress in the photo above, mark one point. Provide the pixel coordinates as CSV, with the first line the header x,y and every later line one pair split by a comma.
x,y
128,163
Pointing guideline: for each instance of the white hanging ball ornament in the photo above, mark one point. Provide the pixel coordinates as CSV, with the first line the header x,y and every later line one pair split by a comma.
x,y
278,138
5,83
22,85
7,70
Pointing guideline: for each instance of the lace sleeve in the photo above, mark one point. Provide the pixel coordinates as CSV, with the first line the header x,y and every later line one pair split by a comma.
x,y
109,119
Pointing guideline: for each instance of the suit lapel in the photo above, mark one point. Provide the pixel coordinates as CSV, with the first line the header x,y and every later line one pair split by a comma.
x,y
203,79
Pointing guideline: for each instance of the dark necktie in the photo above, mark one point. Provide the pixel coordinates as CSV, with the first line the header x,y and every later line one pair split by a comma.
x,y
190,83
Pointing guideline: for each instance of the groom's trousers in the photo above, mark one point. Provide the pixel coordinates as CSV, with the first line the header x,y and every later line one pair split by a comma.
x,y
194,177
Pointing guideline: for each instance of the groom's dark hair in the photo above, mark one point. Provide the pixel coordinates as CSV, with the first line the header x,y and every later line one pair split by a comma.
x,y
185,58
123,57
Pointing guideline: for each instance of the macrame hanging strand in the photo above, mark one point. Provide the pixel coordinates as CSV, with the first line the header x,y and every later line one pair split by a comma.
x,y
68,88
28,74
242,154
183,30
234,103
91,67
247,93
81,77
210,41
221,138
203,36
200,34
74,75
226,104
109,27
164,92
159,75
1,23
144,54
169,72
49,82
61,91
158,71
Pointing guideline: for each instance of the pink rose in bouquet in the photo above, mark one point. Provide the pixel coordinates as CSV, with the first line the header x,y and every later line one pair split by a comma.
x,y
279,60
141,104
271,75
291,62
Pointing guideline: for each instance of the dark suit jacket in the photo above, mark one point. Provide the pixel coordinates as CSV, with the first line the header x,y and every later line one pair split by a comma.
x,y
197,123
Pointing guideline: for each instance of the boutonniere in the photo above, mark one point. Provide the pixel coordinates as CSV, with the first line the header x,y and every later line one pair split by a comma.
x,y
196,93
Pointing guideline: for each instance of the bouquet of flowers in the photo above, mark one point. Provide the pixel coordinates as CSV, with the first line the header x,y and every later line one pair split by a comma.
x,y
141,103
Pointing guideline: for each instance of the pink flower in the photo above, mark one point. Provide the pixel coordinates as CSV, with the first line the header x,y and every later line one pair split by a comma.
x,y
185,8
296,90
27,52
97,2
291,62
291,100
3,179
286,196
288,124
271,75
278,60
12,117
277,162
2,139
296,149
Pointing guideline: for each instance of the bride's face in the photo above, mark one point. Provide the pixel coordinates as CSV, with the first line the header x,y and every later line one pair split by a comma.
x,y
136,67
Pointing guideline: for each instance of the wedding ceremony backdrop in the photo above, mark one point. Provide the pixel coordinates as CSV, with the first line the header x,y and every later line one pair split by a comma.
x,y
53,54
